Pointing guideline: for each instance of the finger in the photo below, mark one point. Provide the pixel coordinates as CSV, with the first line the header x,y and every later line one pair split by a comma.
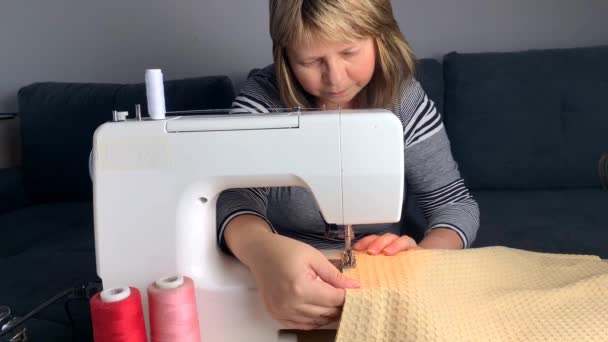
x,y
311,315
331,275
403,243
322,321
298,326
319,320
317,312
362,244
294,317
381,243
324,294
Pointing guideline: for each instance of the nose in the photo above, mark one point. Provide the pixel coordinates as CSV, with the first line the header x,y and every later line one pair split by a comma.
x,y
334,73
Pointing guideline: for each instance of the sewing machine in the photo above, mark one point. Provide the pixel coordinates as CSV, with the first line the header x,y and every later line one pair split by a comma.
x,y
156,184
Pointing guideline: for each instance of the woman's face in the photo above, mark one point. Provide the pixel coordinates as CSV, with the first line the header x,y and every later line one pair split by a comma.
x,y
333,72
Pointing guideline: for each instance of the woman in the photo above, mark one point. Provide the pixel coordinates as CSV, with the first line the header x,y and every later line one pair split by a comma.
x,y
338,54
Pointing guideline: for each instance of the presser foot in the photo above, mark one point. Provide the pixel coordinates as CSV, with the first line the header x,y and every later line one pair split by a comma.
x,y
345,260
348,259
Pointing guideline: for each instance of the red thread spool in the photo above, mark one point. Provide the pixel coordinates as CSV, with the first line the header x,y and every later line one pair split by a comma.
x,y
118,316
173,314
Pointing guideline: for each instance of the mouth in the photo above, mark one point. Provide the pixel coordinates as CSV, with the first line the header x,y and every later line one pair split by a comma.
x,y
337,93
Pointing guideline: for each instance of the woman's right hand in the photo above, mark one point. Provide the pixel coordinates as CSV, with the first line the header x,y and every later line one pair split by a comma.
x,y
299,286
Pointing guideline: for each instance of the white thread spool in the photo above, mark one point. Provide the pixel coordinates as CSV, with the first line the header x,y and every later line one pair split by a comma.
x,y
115,294
155,94
169,283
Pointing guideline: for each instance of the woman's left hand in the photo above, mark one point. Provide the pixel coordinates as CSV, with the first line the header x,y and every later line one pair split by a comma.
x,y
387,244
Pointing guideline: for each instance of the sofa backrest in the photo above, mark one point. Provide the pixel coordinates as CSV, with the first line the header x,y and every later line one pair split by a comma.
x,y
532,119
58,121
429,72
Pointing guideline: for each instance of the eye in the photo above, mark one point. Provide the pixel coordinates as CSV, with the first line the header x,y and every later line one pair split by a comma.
x,y
311,63
349,53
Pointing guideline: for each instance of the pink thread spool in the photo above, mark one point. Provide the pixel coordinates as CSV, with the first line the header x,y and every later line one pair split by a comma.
x,y
173,314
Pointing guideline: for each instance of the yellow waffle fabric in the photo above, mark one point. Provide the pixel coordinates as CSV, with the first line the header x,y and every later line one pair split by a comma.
x,y
483,294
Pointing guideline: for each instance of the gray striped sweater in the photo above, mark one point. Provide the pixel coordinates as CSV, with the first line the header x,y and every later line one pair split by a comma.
x,y
431,173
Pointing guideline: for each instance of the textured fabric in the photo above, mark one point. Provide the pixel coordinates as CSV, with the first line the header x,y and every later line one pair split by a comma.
x,y
532,119
430,171
571,221
485,294
58,121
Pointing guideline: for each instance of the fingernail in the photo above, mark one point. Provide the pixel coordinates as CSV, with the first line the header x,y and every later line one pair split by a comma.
x,y
372,251
389,250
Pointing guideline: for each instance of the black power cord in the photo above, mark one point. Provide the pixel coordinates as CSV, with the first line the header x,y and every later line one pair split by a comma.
x,y
81,292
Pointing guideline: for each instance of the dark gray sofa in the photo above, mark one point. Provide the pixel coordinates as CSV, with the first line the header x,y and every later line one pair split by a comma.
x,y
527,130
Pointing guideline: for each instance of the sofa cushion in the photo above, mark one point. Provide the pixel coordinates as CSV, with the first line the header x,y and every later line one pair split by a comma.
x,y
58,121
555,221
430,75
36,276
532,119
48,331
12,195
44,250
41,225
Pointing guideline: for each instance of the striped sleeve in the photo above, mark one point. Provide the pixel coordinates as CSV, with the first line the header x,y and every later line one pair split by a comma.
x,y
259,94
431,169
248,104
235,202
424,122
256,96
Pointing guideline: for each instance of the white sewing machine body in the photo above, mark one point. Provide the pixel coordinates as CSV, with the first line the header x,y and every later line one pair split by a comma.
x,y
156,185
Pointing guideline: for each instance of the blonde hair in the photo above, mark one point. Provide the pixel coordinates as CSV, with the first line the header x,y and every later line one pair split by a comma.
x,y
341,20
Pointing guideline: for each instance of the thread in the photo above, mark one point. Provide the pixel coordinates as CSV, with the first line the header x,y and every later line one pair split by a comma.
x,y
155,94
118,316
173,314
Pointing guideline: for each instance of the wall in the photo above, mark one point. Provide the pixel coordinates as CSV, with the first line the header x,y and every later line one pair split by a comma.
x,y
116,40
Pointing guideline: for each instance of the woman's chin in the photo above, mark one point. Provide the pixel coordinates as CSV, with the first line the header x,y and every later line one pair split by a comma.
x,y
331,105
